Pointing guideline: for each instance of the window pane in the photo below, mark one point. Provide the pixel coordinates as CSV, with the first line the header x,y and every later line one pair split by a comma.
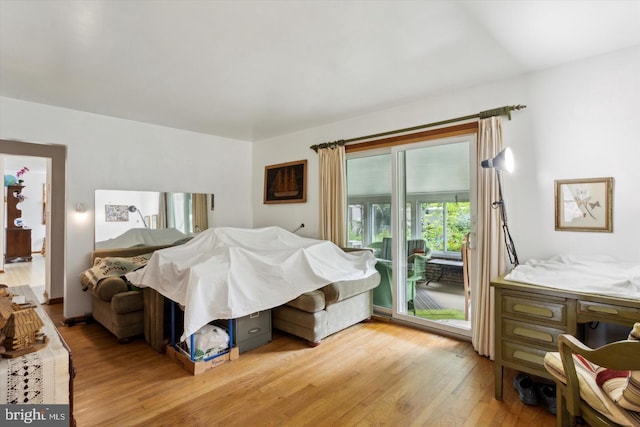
x,y
433,225
355,223
381,215
458,224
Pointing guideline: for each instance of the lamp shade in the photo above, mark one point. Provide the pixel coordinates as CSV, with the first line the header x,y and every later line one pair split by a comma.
x,y
502,161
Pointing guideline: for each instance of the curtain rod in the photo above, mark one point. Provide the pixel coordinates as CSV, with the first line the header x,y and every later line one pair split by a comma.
x,y
502,111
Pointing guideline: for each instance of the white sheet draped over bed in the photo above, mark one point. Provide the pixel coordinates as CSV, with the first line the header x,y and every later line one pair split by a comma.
x,y
596,274
225,273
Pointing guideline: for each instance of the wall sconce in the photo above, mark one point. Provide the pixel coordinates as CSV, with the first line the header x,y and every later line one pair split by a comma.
x,y
80,208
503,161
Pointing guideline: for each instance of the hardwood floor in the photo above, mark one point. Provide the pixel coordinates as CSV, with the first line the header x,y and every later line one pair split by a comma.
x,y
375,373
22,273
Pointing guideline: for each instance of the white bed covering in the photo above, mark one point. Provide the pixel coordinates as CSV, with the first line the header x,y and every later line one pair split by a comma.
x,y
595,274
225,273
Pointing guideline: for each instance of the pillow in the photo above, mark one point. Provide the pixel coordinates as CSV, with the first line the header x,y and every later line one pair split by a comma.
x,y
623,387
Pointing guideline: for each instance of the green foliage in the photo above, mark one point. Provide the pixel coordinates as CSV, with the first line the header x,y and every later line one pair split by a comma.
x,y
458,223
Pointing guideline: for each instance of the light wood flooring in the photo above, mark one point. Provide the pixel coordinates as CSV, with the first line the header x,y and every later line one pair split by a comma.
x,y
373,374
23,273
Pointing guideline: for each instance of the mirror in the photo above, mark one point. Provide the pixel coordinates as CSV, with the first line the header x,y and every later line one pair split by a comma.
x,y
132,218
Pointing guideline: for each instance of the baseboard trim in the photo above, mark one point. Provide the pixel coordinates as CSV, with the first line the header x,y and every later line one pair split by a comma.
x,y
52,301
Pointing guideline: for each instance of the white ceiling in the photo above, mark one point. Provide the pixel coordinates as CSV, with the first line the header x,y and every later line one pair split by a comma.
x,y
256,69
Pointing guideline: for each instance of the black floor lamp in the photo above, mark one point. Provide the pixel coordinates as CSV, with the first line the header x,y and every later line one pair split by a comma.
x,y
503,161
132,209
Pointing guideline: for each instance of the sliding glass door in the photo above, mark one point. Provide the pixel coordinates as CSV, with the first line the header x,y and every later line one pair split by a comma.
x,y
413,205
435,211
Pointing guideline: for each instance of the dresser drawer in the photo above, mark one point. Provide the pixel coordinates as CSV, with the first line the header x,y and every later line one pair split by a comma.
x,y
607,312
516,330
525,355
547,310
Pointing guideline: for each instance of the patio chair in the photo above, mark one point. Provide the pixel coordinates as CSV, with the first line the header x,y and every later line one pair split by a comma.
x,y
382,294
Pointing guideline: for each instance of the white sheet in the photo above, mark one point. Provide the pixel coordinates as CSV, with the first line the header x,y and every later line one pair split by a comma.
x,y
226,273
142,237
596,274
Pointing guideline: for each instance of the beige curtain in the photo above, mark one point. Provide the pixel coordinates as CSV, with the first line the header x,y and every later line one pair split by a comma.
x,y
162,211
199,206
490,250
332,194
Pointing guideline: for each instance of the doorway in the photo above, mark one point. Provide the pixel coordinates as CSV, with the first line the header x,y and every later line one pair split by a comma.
x,y
25,180
54,242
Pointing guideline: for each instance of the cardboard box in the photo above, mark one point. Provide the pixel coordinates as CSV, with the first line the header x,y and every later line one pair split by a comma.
x,y
198,367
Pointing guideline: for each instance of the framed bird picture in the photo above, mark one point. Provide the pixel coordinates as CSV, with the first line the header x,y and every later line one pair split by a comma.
x,y
584,204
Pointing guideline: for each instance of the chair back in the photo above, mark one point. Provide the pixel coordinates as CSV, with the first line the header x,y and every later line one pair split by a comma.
x,y
466,255
413,246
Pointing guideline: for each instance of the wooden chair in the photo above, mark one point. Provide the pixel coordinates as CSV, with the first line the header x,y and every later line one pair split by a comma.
x,y
382,294
466,259
576,374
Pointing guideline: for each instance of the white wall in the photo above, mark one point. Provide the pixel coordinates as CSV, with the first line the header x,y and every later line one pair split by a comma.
x,y
578,124
109,153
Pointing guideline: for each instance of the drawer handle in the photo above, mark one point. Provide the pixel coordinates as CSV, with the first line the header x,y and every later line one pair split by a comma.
x,y
599,309
529,309
254,330
529,357
528,333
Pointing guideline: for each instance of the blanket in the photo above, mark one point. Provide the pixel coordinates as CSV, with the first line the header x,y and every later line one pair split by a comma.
x,y
226,273
111,266
596,274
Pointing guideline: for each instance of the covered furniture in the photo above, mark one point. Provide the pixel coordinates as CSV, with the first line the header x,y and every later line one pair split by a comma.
x,y
228,272
317,314
115,305
529,319
600,385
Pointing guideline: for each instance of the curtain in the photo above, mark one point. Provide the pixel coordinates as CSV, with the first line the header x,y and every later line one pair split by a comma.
x,y
332,194
200,217
490,248
162,211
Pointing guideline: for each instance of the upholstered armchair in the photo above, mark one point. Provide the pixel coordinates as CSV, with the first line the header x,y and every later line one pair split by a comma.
x,y
114,305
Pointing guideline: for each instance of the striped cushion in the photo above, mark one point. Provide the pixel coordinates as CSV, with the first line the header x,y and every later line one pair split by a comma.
x,y
618,392
623,387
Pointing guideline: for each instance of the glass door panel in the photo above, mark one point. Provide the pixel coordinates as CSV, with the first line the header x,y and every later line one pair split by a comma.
x,y
369,217
437,216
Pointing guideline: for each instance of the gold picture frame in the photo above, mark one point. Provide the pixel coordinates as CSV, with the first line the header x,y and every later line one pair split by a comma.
x,y
584,204
286,182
